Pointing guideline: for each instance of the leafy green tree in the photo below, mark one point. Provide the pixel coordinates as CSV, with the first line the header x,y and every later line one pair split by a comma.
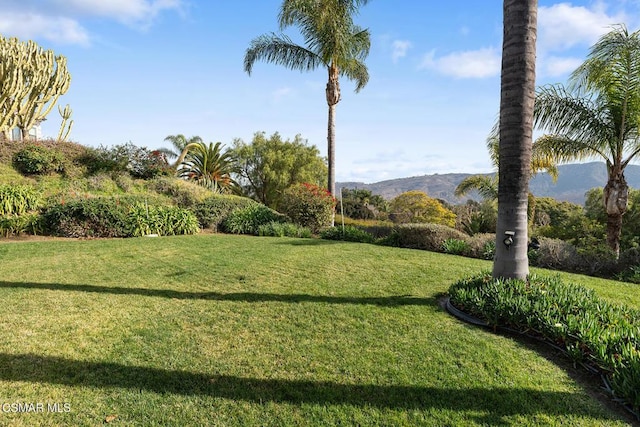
x,y
332,41
209,166
416,207
517,94
598,116
268,166
361,204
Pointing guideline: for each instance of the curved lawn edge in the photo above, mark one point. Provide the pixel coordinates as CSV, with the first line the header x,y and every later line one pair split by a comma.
x,y
467,318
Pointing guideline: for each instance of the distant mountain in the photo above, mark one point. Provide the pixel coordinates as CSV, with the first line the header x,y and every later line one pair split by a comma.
x,y
573,182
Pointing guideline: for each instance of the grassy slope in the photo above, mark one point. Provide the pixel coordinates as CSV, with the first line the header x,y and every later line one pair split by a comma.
x,y
229,330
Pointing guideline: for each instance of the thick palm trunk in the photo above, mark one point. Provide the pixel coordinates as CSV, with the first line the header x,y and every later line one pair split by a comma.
x,y
517,93
616,195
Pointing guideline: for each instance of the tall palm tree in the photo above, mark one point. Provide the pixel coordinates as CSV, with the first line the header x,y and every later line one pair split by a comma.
x,y
332,40
179,143
598,116
517,94
209,166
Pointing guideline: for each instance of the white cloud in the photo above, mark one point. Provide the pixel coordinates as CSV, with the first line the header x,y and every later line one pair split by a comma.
x,y
400,48
468,64
60,20
563,26
54,28
130,12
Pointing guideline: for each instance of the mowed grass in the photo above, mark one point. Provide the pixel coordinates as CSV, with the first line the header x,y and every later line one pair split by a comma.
x,y
240,331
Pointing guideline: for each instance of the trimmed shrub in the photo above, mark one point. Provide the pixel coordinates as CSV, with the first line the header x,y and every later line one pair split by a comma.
x,y
429,237
283,229
212,211
482,246
348,234
248,220
309,205
93,217
591,330
38,160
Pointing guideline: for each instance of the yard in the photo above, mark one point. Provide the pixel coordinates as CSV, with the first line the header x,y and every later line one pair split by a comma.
x,y
235,330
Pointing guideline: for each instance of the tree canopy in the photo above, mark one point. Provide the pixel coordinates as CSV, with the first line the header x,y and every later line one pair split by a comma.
x,y
416,207
269,165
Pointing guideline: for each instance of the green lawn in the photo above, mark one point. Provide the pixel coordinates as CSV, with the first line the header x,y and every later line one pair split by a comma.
x,y
234,330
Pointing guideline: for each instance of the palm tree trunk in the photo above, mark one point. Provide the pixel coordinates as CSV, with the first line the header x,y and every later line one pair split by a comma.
x,y
333,97
517,94
615,195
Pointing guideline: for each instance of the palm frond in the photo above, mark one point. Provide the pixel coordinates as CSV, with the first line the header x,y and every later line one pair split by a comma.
x,y
557,111
279,49
486,186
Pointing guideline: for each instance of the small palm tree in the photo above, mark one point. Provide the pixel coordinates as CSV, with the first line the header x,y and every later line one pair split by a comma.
x,y
209,166
332,41
598,116
179,143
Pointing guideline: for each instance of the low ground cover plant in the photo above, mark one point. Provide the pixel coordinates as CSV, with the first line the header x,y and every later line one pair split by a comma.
x,y
591,330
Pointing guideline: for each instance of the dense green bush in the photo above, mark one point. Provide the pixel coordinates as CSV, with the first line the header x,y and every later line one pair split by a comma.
x,y
18,199
248,220
283,229
456,247
92,217
36,159
144,219
139,162
116,217
349,234
309,205
14,225
591,330
212,211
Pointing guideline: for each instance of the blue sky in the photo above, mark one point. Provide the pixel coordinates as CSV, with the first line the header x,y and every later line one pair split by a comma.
x,y
145,69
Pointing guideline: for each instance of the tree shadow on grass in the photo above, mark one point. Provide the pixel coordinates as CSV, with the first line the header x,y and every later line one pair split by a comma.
x,y
386,301
489,405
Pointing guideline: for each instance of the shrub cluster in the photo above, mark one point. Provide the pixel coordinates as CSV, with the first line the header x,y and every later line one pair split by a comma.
x,y
36,159
428,237
18,199
589,329
309,206
183,193
18,210
212,211
248,220
116,217
139,162
349,234
283,229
